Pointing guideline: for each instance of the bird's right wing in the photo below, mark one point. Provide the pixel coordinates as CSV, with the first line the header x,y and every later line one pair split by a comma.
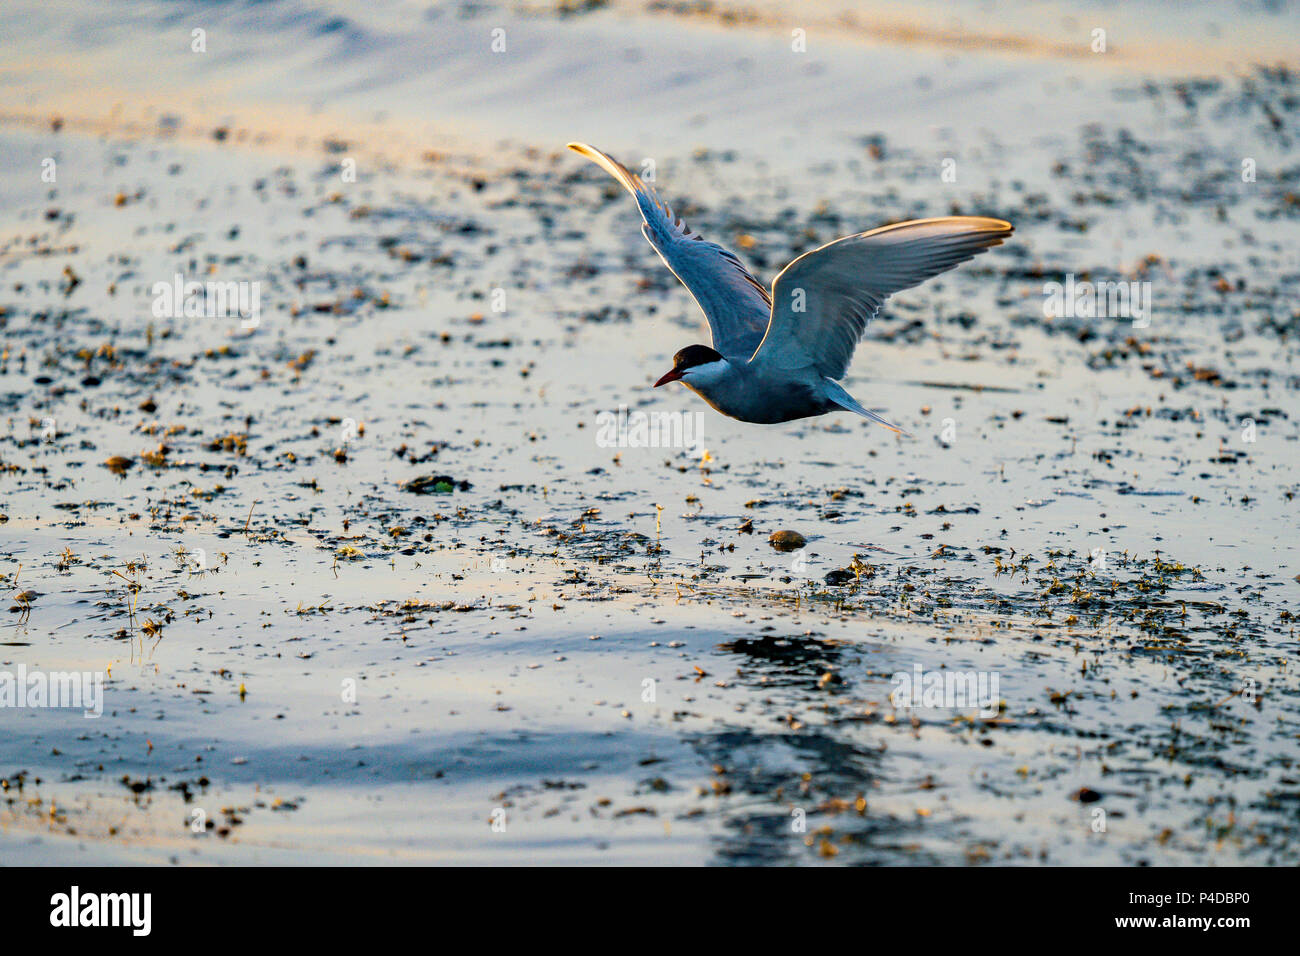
x,y
823,300
734,302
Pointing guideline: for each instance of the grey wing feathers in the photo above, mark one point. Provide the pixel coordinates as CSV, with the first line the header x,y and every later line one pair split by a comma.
x,y
824,300
734,302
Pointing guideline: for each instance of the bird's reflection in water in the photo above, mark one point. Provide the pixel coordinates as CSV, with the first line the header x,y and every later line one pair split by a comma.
x,y
804,789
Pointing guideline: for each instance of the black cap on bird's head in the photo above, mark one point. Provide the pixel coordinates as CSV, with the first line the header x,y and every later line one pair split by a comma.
x,y
687,359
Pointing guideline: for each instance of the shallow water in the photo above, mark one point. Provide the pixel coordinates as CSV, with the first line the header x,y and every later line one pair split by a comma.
x,y
599,643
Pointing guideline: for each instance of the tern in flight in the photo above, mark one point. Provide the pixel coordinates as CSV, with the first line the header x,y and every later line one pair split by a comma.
x,y
777,357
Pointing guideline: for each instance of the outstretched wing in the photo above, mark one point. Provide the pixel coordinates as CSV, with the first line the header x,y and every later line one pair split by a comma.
x,y
734,302
823,300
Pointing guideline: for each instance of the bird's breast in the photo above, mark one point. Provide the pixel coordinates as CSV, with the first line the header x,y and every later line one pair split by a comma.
x,y
752,399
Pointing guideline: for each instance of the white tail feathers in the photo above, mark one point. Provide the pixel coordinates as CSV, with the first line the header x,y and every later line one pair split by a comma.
x,y
850,404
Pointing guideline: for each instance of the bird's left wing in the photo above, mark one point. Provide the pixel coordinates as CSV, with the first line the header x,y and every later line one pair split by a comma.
x,y
735,304
823,300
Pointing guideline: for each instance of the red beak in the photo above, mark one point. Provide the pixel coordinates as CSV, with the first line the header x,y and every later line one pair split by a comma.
x,y
672,376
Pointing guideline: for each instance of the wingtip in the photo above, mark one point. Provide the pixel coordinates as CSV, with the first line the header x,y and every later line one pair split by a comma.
x,y
996,230
998,225
988,224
